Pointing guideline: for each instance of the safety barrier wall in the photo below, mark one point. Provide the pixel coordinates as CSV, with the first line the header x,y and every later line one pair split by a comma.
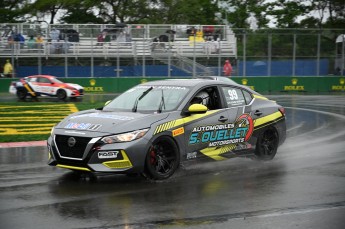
x,y
253,68
265,85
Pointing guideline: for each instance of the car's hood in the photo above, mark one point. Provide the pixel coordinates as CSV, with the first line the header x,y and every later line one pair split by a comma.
x,y
76,86
109,122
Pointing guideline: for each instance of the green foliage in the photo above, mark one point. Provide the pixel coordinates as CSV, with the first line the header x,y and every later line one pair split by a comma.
x,y
279,13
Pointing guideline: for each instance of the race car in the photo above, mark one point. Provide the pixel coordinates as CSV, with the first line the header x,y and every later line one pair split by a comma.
x,y
45,85
154,127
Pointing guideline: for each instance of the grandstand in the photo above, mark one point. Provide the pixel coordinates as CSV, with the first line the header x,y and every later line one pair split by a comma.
x,y
184,44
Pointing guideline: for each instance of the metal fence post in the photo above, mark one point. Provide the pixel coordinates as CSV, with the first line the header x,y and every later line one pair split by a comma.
x,y
244,53
269,58
294,55
318,54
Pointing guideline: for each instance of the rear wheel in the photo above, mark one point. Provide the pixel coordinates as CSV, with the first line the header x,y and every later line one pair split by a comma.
x,y
21,93
267,145
162,159
61,94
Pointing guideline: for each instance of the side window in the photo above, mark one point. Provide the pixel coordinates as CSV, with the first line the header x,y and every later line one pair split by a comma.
x,y
208,97
233,96
247,96
44,80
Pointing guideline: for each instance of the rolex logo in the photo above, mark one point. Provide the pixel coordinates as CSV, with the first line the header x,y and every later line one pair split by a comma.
x,y
92,82
294,81
244,81
342,81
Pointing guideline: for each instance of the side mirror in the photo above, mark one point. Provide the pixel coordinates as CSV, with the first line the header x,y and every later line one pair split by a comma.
x,y
106,103
197,109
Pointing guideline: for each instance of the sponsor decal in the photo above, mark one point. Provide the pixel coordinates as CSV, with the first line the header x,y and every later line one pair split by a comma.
x,y
294,86
178,132
340,87
108,116
82,126
93,88
223,134
74,132
162,87
107,154
191,155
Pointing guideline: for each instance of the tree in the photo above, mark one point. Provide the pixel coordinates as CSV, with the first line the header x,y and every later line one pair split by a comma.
x,y
12,11
237,12
285,13
47,7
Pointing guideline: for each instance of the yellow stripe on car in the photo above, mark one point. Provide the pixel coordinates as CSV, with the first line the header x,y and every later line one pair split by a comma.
x,y
119,164
29,89
215,152
260,97
73,167
269,118
175,123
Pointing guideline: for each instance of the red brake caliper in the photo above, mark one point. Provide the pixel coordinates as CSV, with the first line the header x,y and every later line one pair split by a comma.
x,y
152,156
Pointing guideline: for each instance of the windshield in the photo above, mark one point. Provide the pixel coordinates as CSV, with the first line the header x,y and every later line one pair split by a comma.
x,y
149,98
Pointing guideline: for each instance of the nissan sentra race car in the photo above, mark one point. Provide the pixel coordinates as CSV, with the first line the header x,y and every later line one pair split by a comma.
x,y
45,85
153,127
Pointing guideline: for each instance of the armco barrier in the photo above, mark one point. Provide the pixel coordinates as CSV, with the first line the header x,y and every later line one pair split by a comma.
x,y
264,85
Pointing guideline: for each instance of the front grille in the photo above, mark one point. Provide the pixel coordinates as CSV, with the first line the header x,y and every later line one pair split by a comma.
x,y
76,151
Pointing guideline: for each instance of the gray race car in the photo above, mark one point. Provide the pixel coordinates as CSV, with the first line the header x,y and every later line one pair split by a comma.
x,y
153,127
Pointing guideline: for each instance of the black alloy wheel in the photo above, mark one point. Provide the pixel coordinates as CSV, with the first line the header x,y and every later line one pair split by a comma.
x,y
162,159
61,94
267,145
21,93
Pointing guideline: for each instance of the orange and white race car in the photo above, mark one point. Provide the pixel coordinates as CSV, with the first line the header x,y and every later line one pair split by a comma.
x,y
45,85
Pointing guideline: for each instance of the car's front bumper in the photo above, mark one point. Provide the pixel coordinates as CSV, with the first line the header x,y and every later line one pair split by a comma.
x,y
127,157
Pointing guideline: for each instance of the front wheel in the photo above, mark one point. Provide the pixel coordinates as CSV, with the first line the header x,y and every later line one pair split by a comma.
x,y
61,94
162,159
21,93
267,145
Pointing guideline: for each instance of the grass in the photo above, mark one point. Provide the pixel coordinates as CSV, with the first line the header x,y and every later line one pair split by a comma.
x,y
32,121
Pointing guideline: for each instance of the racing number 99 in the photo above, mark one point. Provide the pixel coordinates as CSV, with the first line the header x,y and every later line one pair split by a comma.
x,y
233,94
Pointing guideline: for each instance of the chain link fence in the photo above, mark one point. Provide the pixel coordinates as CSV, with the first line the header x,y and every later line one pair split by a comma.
x,y
93,50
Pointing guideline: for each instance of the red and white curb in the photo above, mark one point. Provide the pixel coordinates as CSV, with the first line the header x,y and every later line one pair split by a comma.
x,y
22,144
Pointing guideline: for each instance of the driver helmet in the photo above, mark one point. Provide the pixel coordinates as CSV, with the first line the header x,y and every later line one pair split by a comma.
x,y
202,97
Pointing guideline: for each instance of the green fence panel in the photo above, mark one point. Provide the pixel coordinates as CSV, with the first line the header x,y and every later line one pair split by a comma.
x,y
265,85
5,84
331,84
260,84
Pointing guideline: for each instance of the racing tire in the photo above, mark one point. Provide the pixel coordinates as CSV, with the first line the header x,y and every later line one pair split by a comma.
x,y
21,93
267,145
61,94
162,159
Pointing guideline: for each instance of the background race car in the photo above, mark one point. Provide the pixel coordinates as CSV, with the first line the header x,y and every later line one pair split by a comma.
x,y
45,85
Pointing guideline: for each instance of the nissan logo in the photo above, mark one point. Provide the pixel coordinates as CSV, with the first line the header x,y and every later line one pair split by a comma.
x,y
71,141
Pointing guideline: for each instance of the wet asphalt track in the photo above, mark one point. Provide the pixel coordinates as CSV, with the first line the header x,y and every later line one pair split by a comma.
x,y
303,187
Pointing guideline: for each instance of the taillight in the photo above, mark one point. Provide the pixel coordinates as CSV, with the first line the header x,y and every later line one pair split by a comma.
x,y
282,110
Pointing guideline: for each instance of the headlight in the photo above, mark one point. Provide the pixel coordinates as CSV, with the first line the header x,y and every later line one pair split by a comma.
x,y
126,137
51,132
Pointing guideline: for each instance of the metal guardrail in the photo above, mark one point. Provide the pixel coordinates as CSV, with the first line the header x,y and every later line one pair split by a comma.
x,y
111,49
136,40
